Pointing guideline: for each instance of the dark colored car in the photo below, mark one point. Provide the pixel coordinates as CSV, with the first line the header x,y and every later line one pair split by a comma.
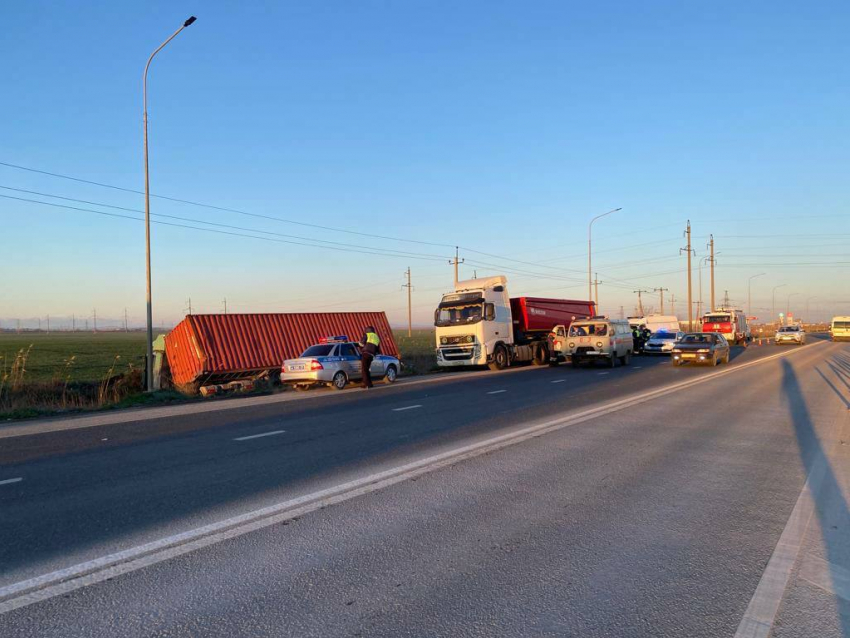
x,y
701,347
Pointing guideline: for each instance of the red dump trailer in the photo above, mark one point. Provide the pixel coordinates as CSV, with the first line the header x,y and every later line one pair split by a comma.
x,y
217,349
532,315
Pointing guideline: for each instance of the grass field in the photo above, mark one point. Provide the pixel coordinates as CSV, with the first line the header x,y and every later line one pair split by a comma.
x,y
84,356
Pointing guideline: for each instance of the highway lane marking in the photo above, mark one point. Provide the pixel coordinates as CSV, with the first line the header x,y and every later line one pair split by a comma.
x,y
559,381
259,436
761,613
601,373
12,480
637,367
496,391
407,407
74,577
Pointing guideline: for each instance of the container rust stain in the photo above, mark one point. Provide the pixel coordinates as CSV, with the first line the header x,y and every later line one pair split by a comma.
x,y
217,348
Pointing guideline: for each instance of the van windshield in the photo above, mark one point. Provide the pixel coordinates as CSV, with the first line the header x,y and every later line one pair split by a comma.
x,y
588,330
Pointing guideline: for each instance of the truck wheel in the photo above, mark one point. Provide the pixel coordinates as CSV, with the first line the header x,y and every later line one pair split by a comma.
x,y
554,361
339,381
391,375
541,355
500,358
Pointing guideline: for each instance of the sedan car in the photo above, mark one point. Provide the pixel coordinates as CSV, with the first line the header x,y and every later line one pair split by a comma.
x,y
662,342
701,347
790,334
335,361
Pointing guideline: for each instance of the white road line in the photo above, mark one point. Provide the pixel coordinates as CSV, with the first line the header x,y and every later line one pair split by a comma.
x,y
258,436
636,367
497,391
407,407
559,381
63,581
601,373
14,480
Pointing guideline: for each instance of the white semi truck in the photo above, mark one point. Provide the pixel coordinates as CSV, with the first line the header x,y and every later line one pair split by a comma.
x,y
479,324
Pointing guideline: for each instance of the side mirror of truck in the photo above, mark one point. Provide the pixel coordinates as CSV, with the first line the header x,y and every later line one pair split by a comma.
x,y
489,312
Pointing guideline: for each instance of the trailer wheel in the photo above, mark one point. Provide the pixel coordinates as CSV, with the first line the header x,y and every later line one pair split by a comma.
x,y
500,358
541,355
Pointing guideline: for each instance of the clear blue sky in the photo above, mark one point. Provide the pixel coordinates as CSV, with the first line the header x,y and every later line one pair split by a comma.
x,y
499,126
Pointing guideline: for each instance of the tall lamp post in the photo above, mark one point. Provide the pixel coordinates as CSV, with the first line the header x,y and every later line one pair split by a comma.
x,y
589,263
749,293
773,297
149,367
788,302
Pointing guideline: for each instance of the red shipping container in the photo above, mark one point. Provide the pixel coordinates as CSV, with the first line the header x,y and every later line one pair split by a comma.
x,y
535,314
219,348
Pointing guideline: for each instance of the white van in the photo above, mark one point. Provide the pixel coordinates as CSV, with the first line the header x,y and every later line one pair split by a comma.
x,y
840,329
656,323
596,338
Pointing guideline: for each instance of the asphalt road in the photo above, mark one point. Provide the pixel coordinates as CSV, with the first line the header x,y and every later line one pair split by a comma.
x,y
656,518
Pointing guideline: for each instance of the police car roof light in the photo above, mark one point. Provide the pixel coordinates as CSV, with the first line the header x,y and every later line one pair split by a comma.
x,y
336,339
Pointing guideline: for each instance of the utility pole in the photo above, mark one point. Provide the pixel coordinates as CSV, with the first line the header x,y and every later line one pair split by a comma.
x,y
662,291
596,283
126,326
48,324
73,323
409,287
711,260
190,305
690,287
475,274
95,319
640,300
726,299
622,313
456,261
224,301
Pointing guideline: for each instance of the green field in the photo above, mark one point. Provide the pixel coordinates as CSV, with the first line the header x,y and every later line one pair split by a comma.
x,y
84,356
94,353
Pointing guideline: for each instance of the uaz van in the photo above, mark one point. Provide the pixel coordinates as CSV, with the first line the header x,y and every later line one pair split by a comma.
x,y
594,339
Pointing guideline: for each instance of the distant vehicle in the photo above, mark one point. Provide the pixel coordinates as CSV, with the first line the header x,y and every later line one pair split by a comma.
x,y
656,323
594,339
478,324
701,347
729,322
790,334
662,342
335,361
840,329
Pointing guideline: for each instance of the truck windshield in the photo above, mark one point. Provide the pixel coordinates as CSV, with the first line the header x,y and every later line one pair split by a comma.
x,y
462,314
716,319
589,329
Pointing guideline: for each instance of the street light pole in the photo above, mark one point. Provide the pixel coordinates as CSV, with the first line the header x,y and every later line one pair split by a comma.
x,y
149,367
788,302
589,261
749,293
773,296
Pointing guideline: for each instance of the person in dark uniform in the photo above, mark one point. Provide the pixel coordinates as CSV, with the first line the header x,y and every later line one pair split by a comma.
x,y
370,345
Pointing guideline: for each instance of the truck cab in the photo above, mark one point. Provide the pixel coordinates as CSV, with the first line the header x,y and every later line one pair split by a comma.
x,y
472,322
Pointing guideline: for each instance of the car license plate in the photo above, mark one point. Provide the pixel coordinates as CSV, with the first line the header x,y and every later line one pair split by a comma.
x,y
689,356
296,368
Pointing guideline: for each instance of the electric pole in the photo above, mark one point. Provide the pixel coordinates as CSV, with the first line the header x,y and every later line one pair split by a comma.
x,y
726,299
690,287
456,261
622,313
73,323
48,324
95,319
224,301
640,300
711,260
190,306
126,327
662,291
596,283
409,287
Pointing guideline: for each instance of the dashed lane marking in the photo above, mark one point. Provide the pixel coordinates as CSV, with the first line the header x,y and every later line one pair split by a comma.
x,y
407,407
258,436
496,391
559,381
12,480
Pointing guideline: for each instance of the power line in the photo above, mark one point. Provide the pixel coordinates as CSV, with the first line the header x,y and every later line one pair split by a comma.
x,y
222,208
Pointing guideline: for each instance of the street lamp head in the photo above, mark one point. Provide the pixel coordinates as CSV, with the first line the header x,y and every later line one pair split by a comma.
x,y
189,21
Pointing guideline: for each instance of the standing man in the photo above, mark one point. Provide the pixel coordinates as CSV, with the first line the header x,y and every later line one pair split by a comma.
x,y
370,344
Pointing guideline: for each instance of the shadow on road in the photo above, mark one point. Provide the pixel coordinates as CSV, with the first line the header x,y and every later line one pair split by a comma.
x,y
830,505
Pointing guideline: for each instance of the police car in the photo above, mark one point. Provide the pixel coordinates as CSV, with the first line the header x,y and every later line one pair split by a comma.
x,y
662,342
335,361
